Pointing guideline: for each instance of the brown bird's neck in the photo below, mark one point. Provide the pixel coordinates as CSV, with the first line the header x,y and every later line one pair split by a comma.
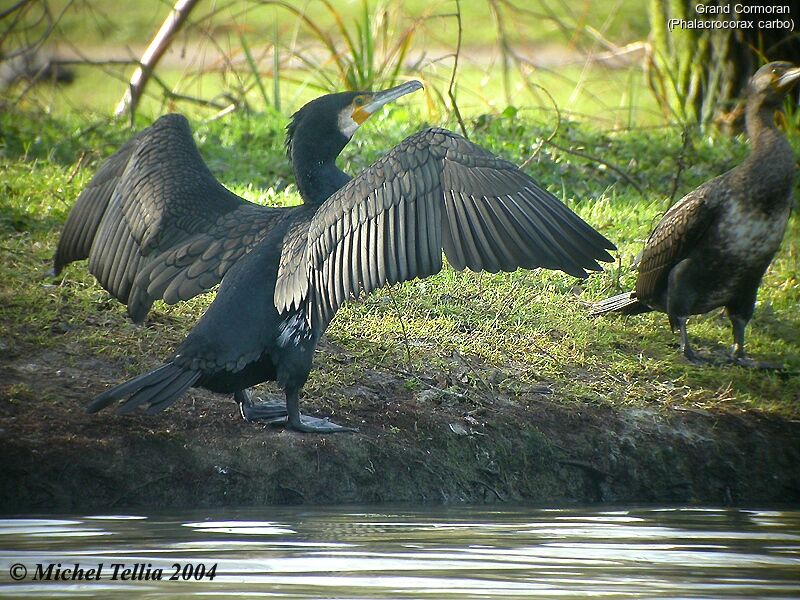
x,y
768,172
765,137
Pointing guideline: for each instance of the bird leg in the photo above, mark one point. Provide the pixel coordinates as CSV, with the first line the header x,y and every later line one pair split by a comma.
x,y
306,424
738,324
738,355
275,412
688,353
265,411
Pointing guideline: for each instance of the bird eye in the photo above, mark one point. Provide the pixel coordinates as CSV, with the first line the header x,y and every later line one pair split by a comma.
x,y
359,101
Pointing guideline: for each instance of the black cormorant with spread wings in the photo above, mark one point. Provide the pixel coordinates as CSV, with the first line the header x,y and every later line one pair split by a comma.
x,y
712,248
155,224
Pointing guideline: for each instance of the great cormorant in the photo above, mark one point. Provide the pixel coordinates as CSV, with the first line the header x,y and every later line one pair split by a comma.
x,y
712,247
155,223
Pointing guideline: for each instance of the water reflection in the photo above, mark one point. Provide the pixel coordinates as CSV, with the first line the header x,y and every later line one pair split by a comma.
x,y
436,553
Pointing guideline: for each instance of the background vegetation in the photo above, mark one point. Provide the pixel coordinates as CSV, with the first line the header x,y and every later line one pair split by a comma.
x,y
557,86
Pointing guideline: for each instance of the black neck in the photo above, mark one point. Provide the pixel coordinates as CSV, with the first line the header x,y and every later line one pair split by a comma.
x,y
318,179
314,144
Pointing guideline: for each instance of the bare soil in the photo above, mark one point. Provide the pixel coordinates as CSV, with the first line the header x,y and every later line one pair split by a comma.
x,y
415,445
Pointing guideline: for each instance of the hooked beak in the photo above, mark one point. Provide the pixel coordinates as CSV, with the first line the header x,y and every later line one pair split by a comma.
x,y
789,78
380,99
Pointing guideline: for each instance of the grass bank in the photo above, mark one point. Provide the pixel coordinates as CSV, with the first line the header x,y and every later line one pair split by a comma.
x,y
504,375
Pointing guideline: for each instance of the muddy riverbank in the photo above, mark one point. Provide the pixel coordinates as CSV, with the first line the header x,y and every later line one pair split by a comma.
x,y
415,445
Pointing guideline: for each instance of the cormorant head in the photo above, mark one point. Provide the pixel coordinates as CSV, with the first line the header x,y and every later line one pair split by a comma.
x,y
772,81
330,121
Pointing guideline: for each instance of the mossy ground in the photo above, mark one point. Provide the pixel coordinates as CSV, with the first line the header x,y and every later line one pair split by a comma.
x,y
474,373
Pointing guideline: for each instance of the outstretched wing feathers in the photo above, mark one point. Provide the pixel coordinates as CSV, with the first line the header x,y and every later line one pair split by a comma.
x,y
84,218
435,191
155,223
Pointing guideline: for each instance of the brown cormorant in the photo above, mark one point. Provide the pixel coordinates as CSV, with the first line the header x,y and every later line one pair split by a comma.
x,y
712,247
155,223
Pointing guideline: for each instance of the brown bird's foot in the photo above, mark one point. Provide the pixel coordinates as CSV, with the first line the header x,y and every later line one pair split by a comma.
x,y
686,348
694,358
749,363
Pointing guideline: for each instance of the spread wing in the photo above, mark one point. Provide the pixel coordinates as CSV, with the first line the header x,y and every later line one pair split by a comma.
x,y
155,223
435,191
678,231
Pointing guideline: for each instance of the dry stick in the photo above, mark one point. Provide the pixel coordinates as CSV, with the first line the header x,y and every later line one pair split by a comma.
x,y
170,95
453,73
553,133
28,46
505,47
402,328
16,6
159,44
681,163
614,168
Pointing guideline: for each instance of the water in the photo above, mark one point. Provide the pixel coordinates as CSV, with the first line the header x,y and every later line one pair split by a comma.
x,y
429,553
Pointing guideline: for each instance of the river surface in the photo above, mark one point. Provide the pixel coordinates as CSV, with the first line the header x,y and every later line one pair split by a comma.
x,y
407,552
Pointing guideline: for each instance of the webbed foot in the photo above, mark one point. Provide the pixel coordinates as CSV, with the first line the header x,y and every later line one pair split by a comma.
x,y
694,358
749,363
314,425
263,411
275,412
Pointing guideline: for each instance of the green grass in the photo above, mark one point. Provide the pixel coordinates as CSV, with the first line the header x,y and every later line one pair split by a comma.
x,y
487,335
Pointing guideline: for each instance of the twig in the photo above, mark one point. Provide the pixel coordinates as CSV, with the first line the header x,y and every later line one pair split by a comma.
x,y
505,47
402,328
94,63
614,168
552,133
428,385
159,44
170,95
453,73
588,467
491,489
681,164
13,8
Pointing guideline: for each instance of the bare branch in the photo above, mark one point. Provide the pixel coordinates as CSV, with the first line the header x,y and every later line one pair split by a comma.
x,y
609,165
15,7
170,26
453,74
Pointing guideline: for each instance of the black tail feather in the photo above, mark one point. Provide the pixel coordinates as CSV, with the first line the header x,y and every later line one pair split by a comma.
x,y
172,392
625,303
159,388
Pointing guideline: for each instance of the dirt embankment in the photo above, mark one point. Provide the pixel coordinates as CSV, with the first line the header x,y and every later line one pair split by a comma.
x,y
417,446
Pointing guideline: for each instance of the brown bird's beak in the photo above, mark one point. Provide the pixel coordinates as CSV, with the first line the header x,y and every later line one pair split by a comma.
x,y
380,99
789,78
